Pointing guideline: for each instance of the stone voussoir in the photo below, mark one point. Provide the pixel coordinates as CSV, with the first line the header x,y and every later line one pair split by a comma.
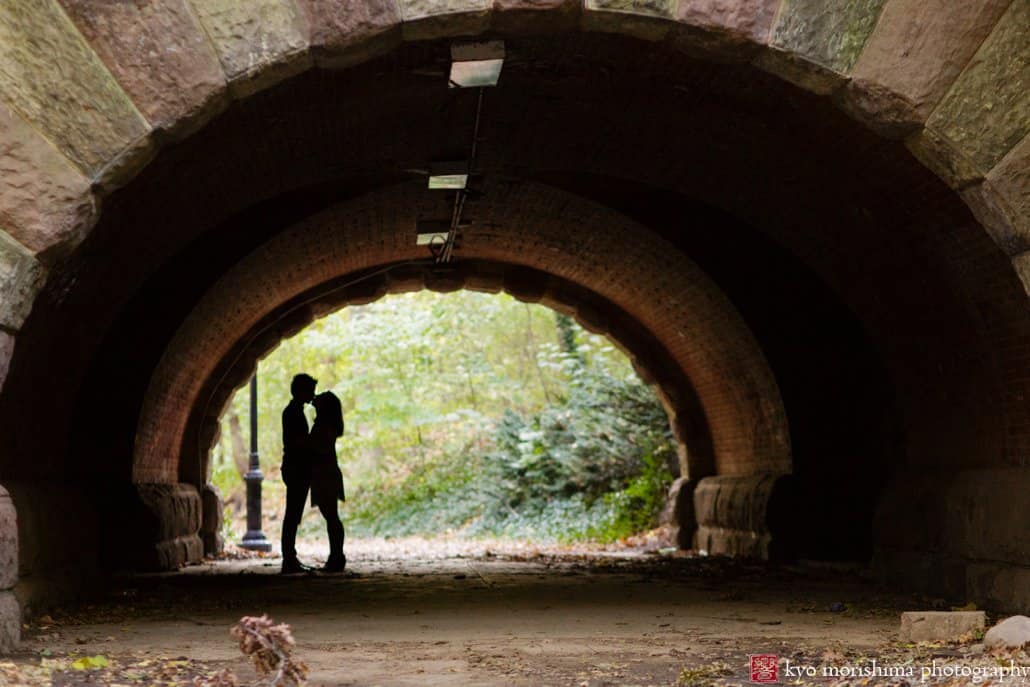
x,y
830,33
8,541
987,111
45,201
342,32
53,77
158,52
930,626
429,19
915,53
21,278
650,20
258,43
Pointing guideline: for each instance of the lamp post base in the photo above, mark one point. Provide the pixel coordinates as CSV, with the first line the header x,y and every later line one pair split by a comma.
x,y
255,541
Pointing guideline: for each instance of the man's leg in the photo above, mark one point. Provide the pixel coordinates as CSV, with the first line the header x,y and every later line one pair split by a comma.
x,y
296,495
334,528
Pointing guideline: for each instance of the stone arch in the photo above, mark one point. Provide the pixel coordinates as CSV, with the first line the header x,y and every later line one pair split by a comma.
x,y
82,114
90,91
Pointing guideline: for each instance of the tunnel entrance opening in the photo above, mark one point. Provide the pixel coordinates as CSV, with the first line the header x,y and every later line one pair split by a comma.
x,y
468,415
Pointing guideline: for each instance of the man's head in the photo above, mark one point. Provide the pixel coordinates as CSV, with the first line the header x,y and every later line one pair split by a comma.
x,y
303,387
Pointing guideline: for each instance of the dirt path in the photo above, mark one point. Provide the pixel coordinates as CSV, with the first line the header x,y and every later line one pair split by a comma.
x,y
475,618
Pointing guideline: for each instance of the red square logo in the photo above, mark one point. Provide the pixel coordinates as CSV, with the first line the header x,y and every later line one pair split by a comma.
x,y
764,668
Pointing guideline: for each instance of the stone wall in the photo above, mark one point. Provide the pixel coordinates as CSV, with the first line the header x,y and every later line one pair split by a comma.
x,y
961,535
10,613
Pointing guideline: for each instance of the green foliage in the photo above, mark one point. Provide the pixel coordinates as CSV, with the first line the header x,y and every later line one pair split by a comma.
x,y
467,412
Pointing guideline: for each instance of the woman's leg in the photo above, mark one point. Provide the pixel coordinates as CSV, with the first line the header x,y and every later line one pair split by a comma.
x,y
335,530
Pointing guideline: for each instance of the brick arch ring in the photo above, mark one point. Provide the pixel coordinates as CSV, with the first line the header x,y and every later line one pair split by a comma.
x,y
681,332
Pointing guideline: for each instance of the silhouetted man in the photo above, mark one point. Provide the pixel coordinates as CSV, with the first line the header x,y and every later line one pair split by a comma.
x,y
296,466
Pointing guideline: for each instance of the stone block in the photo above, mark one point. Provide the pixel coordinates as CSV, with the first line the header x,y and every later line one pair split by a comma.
x,y
6,353
45,201
341,31
10,622
678,512
931,626
645,19
987,111
51,76
170,518
1021,263
828,32
211,525
21,277
158,52
999,586
258,42
1011,633
944,158
1011,181
751,19
736,515
428,19
800,71
916,52
8,541
535,17
991,209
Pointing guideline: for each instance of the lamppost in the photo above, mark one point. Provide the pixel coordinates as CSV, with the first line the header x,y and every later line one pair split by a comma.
x,y
254,539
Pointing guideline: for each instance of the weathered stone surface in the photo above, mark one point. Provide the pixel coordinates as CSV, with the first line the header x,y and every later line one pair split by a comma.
x,y
644,19
171,521
999,586
1011,181
1022,264
10,622
916,52
536,16
6,351
734,515
343,29
21,277
157,50
255,37
1010,633
944,159
49,73
678,512
929,626
750,18
211,521
1001,221
828,32
427,19
45,201
987,112
8,541
799,71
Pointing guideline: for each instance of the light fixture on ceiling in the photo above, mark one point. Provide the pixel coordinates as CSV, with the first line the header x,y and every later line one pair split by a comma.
x,y
449,175
476,65
431,233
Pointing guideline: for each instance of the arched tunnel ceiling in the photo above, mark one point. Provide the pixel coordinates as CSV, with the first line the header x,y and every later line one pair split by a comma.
x,y
607,117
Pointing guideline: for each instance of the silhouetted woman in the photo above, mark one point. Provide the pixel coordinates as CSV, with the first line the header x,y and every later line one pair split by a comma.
x,y
326,478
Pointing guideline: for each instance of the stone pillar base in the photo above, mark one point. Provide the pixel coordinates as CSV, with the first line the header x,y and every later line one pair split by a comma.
x,y
170,520
211,522
10,622
742,516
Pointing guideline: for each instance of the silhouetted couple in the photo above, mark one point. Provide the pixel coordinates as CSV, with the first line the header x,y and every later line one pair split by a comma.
x,y
309,463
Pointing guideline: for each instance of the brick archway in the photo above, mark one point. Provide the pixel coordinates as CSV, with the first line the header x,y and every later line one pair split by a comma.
x,y
615,275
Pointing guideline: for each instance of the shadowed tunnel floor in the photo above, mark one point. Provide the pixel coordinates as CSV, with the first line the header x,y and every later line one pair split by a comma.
x,y
483,619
